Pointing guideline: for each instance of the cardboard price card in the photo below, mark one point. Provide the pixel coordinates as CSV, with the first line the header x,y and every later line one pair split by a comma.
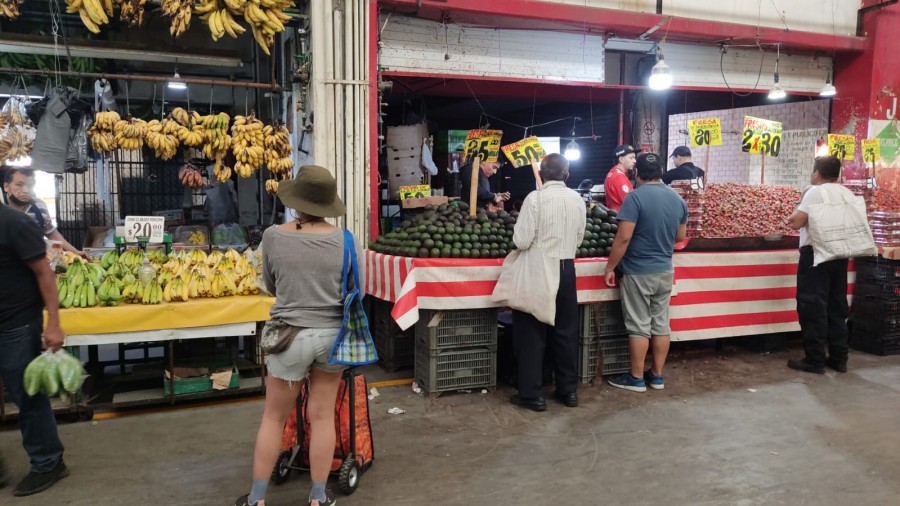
x,y
483,143
151,227
522,153
761,136
841,147
871,150
705,132
415,192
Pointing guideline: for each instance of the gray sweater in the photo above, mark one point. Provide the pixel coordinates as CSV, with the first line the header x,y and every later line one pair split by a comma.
x,y
303,272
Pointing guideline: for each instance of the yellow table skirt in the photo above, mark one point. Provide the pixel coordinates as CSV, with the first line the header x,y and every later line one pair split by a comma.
x,y
171,315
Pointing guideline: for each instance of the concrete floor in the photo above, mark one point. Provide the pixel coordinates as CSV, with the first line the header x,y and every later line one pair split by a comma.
x,y
735,429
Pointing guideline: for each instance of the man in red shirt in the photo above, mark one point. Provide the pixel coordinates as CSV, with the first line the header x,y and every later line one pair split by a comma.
x,y
617,184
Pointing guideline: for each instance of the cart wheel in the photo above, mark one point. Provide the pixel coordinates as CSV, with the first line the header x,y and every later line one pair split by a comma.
x,y
282,470
348,479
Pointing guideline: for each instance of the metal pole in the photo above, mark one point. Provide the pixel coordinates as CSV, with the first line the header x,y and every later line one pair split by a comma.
x,y
135,77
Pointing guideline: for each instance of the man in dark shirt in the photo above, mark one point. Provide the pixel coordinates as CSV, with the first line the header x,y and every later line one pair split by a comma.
x,y
684,168
28,286
486,198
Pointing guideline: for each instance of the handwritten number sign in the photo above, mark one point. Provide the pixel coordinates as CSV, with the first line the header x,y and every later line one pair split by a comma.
x,y
705,132
761,136
525,151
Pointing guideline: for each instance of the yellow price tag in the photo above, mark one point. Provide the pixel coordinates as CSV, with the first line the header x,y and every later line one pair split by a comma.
x,y
871,150
841,147
415,192
761,136
525,151
483,143
705,132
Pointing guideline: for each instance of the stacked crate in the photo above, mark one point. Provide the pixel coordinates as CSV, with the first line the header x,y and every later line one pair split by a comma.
x,y
876,306
695,203
606,337
456,350
396,348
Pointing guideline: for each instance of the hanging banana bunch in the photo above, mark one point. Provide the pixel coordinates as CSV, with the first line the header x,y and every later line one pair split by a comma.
x,y
248,144
94,13
180,11
278,150
162,138
189,130
130,133
10,8
102,132
272,186
132,11
266,18
216,139
220,18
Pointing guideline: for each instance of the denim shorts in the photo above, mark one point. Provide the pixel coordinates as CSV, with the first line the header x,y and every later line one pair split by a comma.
x,y
310,347
645,302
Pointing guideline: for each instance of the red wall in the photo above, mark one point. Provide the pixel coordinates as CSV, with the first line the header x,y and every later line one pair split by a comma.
x,y
868,82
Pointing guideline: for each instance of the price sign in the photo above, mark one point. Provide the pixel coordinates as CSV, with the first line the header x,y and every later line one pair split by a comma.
x,y
152,227
871,150
522,153
415,192
841,146
483,143
761,136
705,132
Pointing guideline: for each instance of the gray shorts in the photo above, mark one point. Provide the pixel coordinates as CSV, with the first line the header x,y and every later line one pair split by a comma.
x,y
310,347
645,301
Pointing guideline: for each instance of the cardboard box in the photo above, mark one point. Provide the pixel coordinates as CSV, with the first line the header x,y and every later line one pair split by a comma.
x,y
430,201
405,137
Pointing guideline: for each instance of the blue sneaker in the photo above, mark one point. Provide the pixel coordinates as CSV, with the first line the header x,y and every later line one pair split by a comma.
x,y
628,382
655,382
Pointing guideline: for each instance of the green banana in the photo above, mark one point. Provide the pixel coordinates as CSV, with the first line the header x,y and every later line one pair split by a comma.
x,y
70,298
91,296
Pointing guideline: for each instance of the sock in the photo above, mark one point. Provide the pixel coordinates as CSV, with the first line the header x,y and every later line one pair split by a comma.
x,y
258,491
317,492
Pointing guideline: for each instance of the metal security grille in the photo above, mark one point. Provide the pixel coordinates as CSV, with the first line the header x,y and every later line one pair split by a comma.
x,y
129,183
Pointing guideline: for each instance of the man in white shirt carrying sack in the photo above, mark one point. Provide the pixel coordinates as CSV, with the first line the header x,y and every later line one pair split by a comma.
x,y
833,228
550,226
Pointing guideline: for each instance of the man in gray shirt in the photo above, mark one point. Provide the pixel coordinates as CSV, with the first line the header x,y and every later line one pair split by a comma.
x,y
653,218
552,219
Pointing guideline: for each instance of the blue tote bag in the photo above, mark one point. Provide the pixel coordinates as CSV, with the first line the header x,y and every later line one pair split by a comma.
x,y
354,344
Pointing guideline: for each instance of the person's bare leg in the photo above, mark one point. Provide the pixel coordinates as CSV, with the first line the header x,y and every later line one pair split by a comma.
x,y
280,399
323,388
660,345
637,348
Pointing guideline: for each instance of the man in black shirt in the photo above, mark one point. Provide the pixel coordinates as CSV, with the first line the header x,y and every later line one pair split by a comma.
x,y
28,286
486,198
684,168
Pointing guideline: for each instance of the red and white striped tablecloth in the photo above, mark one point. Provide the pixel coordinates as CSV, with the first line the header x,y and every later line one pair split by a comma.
x,y
716,295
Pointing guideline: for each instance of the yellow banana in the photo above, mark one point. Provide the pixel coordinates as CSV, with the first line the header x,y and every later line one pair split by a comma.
x,y
90,25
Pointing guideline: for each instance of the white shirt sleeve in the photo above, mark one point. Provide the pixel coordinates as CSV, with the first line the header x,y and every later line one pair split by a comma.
x,y
812,195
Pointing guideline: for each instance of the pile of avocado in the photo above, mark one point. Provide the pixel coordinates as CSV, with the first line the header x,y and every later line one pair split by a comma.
x,y
599,232
447,231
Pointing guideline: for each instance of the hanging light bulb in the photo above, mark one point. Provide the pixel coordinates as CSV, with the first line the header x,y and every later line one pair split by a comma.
x,y
777,93
573,152
660,76
828,90
176,83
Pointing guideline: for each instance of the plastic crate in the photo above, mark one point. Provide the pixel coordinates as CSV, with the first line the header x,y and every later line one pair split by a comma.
x,y
459,369
457,329
616,358
888,293
612,320
396,348
887,326
871,343
877,269
874,306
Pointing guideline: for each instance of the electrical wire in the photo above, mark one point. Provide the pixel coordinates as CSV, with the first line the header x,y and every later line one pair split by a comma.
x,y
762,60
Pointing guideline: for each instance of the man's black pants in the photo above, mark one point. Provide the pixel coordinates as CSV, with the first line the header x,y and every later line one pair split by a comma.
x,y
531,337
822,308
